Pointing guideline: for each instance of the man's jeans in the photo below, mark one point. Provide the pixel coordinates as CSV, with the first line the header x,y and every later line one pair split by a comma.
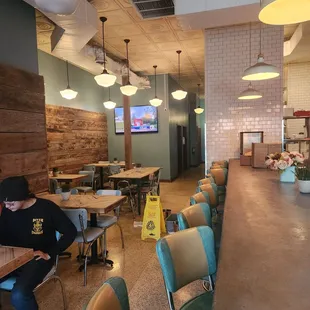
x,y
27,279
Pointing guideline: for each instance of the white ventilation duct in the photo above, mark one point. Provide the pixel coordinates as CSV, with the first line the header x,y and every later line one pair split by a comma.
x,y
292,43
71,35
60,7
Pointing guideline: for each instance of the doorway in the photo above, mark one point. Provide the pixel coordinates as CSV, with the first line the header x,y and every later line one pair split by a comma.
x,y
182,149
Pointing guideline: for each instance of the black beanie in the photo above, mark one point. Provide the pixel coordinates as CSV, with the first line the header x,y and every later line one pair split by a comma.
x,y
14,189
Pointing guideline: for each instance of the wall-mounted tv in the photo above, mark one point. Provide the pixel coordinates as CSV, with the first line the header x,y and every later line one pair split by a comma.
x,y
144,119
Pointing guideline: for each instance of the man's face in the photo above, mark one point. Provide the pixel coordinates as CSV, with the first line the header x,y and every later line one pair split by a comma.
x,y
14,205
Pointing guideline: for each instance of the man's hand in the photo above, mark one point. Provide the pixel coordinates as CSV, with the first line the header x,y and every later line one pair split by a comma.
x,y
41,255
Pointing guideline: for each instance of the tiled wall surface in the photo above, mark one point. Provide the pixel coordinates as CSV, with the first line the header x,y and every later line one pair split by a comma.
x,y
227,56
298,91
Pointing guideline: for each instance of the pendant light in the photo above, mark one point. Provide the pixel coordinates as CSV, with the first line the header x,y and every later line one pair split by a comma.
x,y
104,79
199,109
109,104
180,93
250,93
68,93
284,12
156,102
128,89
260,71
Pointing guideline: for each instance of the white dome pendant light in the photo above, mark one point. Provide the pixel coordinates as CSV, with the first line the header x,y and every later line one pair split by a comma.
x,y
199,109
284,12
250,93
180,93
260,71
156,102
68,93
109,104
128,89
104,79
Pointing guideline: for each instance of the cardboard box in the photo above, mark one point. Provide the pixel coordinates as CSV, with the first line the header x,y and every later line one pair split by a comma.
x,y
261,150
288,112
245,160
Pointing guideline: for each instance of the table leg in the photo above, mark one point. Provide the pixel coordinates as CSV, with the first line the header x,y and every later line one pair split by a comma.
x,y
102,177
139,196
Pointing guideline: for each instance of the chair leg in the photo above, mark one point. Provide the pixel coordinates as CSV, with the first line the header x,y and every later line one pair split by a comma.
x,y
63,292
104,246
122,236
85,263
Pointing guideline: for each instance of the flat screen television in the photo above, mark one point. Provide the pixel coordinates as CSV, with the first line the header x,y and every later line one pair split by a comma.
x,y
144,119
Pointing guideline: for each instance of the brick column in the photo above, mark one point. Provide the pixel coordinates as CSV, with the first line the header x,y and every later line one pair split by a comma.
x,y
227,56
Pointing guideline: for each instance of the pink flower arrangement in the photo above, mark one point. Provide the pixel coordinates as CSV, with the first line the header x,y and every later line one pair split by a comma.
x,y
281,161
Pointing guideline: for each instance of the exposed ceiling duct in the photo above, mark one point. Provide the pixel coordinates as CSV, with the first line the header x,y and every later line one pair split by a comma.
x,y
60,7
154,8
71,35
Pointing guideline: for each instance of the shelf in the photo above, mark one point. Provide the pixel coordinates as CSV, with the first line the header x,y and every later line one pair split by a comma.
x,y
295,117
296,140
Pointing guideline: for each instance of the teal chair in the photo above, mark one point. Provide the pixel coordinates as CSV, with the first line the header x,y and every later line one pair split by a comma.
x,y
212,191
112,295
206,180
202,197
220,176
194,216
221,163
184,257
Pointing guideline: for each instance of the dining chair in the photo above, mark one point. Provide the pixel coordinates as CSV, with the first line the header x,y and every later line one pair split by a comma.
x,y
194,216
205,181
96,175
8,284
85,235
105,221
220,176
211,189
112,295
130,191
185,257
114,169
54,186
87,184
221,163
202,197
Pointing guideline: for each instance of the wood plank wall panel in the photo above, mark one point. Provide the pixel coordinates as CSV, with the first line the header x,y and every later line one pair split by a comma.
x,y
75,137
23,144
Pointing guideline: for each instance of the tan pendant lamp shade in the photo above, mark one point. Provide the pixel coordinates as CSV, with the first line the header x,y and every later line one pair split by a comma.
x,y
104,79
180,93
261,70
128,89
250,93
109,104
155,102
68,93
199,109
284,12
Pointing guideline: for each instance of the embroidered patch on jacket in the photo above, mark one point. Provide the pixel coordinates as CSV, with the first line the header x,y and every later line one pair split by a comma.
x,y
37,227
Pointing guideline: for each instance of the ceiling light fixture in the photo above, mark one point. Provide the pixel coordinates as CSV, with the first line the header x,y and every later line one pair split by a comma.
x,y
260,71
104,79
156,102
59,7
180,93
284,12
68,93
199,109
109,104
250,93
128,89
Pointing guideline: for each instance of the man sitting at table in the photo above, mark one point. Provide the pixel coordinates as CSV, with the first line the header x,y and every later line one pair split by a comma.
x,y
30,222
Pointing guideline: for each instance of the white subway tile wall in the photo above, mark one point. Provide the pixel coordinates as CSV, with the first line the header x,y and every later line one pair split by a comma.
x,y
298,90
227,56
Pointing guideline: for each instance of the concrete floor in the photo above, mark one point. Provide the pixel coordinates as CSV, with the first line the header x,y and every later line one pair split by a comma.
x,y
137,263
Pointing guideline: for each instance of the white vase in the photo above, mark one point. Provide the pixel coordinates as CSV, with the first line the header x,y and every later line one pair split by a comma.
x,y
304,186
65,195
288,175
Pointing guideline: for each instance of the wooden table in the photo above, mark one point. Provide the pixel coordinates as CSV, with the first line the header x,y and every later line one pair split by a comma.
x,y
264,259
106,164
11,258
68,178
138,175
94,204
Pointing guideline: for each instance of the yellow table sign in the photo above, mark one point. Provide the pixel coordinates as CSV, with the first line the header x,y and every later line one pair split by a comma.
x,y
153,219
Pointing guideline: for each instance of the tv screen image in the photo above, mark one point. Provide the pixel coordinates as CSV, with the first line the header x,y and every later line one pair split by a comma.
x,y
143,119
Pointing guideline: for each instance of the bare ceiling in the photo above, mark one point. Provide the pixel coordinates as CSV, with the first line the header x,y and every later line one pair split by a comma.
x,y
153,42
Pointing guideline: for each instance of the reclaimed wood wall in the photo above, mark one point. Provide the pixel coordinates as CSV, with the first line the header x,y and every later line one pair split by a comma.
x,y
75,137
23,147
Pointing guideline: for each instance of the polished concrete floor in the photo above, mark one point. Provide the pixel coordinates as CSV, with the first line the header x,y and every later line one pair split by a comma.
x,y
137,263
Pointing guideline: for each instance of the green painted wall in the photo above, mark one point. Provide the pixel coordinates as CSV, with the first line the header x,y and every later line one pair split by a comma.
x,y
18,35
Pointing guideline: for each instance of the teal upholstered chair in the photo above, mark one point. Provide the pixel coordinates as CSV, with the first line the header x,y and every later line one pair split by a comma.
x,y
221,163
206,180
202,197
220,176
194,216
112,295
184,257
212,191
